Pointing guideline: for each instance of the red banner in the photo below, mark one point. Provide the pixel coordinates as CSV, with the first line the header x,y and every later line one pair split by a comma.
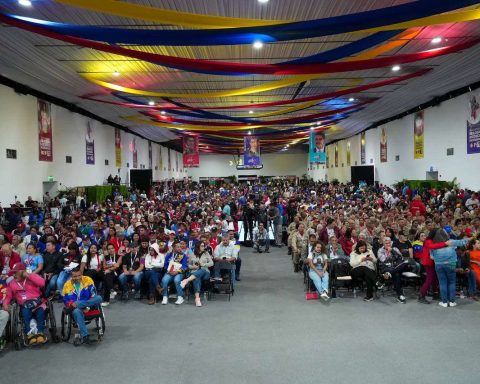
x,y
191,156
45,143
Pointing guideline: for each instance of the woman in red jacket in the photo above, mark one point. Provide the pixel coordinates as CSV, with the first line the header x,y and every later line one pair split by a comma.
x,y
428,264
417,206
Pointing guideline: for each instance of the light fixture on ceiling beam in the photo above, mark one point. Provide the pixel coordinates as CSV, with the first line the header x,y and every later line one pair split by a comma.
x,y
163,112
116,73
249,132
25,3
257,44
351,99
250,112
151,103
436,40
263,1
396,68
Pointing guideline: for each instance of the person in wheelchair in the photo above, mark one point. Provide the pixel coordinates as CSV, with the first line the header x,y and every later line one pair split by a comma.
x,y
4,315
25,289
78,294
318,266
392,264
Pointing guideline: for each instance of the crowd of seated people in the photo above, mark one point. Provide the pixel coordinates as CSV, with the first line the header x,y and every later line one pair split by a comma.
x,y
181,235
385,235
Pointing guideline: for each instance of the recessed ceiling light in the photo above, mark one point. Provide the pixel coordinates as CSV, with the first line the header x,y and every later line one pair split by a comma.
x,y
25,3
351,99
395,68
163,112
151,103
436,40
116,73
250,112
258,44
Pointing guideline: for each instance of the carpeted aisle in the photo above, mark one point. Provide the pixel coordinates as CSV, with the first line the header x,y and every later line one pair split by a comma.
x,y
268,333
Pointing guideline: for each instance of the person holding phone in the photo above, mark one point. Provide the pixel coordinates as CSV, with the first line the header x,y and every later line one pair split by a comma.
x,y
111,268
363,261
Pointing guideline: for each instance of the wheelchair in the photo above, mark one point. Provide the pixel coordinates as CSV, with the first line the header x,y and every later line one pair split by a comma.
x,y
15,332
95,315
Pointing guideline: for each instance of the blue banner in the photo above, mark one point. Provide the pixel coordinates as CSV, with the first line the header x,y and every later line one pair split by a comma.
x,y
251,154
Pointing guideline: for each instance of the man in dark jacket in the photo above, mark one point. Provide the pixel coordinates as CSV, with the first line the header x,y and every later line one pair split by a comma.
x,y
51,259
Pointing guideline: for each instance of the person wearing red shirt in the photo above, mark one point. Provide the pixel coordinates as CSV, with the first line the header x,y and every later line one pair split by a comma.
x,y
117,241
417,207
8,259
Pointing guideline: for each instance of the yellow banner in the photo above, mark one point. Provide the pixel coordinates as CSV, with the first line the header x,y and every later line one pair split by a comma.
x,y
186,19
418,135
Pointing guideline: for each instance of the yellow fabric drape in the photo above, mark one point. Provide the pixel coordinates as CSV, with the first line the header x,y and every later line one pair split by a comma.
x,y
277,84
192,20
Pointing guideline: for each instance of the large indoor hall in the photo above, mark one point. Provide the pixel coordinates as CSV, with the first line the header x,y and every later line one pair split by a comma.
x,y
239,191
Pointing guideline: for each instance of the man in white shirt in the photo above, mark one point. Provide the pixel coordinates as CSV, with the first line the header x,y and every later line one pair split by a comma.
x,y
226,252
473,202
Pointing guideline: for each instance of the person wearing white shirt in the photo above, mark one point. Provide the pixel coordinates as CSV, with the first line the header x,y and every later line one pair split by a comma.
x,y
154,264
226,252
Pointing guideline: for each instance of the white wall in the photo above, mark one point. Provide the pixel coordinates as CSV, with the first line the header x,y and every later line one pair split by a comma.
x,y
445,127
281,164
25,175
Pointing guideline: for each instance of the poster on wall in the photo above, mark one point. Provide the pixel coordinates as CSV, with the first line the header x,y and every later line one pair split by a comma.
x,y
362,149
251,154
176,162
418,135
89,144
336,156
118,148
383,146
135,153
45,142
191,156
169,161
349,155
150,159
160,159
317,152
473,125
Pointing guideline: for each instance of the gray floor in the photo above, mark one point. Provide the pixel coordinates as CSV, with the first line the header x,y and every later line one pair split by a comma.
x,y
268,333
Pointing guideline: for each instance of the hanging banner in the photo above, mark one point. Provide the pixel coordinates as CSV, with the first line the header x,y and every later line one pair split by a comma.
x,y
362,149
89,144
191,156
45,142
418,136
135,154
383,146
473,126
336,156
169,161
176,161
251,154
349,155
160,159
150,159
317,151
118,148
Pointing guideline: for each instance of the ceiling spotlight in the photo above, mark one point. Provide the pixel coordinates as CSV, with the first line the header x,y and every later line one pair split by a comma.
x,y
263,1
312,128
395,68
351,99
258,44
436,40
25,3
151,103
116,73
249,132
250,112
163,112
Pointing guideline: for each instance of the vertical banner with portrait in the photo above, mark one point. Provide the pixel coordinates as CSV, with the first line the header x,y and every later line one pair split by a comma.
x,y
251,154
191,156
336,156
363,159
317,152
160,158
135,153
89,144
118,148
418,135
169,161
383,146
150,155
349,155
45,141
473,125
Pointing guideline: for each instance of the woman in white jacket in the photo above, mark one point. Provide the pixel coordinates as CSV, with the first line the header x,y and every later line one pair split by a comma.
x,y
363,264
154,262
